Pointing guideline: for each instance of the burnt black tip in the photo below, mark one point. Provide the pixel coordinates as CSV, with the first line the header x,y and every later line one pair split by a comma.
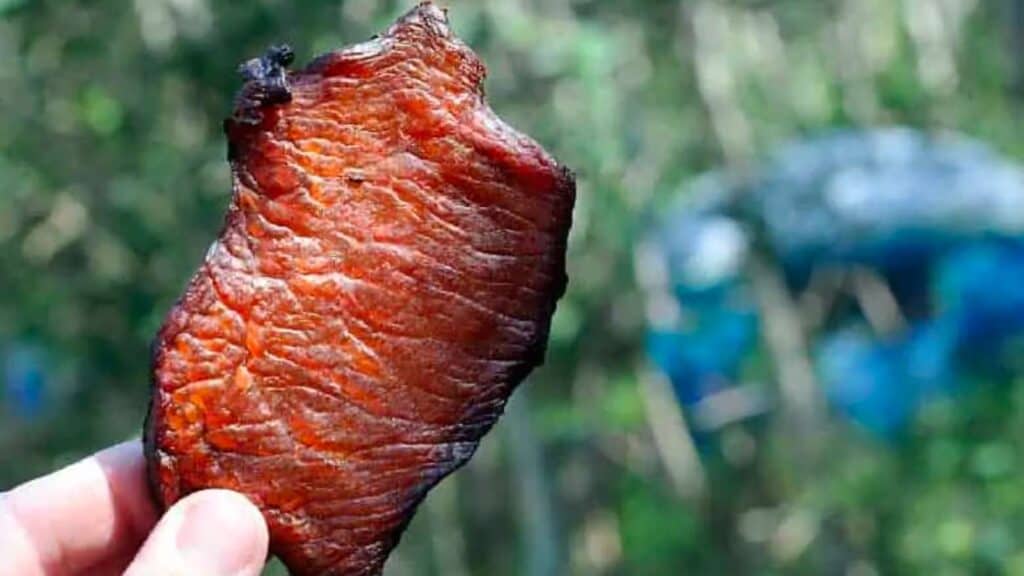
x,y
266,83
282,55
269,67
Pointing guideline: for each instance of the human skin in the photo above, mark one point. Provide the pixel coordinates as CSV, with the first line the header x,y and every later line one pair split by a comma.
x,y
97,517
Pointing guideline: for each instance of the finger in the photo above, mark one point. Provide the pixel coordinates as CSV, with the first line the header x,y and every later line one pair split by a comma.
x,y
213,532
91,512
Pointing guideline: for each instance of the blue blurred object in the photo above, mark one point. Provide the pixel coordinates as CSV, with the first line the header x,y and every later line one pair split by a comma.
x,y
882,384
703,248
702,319
935,217
24,385
939,220
705,357
981,288
885,198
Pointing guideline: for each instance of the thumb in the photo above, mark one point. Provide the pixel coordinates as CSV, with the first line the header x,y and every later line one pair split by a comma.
x,y
213,532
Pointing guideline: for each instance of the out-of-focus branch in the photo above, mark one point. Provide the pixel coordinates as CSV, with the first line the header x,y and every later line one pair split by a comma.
x,y
816,301
783,332
716,80
672,438
541,536
877,302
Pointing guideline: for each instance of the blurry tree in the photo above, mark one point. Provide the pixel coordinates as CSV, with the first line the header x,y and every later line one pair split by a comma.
x,y
112,183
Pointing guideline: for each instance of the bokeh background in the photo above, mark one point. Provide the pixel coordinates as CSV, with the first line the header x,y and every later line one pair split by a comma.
x,y
791,342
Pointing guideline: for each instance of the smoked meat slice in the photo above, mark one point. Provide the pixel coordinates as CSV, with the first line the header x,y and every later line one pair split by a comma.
x,y
386,276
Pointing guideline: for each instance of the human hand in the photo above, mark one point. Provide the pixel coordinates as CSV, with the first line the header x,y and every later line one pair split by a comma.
x,y
96,517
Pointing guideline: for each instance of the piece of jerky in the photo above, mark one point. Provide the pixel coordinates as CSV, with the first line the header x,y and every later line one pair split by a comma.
x,y
385,277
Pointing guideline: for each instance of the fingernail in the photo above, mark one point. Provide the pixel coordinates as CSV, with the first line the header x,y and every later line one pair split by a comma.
x,y
219,534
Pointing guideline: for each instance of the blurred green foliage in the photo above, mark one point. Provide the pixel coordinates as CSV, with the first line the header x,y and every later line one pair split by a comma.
x,y
113,180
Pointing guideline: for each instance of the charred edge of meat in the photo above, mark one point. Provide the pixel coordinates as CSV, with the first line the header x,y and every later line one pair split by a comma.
x,y
148,436
148,429
266,84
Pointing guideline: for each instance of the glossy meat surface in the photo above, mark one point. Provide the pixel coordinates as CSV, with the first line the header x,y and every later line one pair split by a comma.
x,y
385,277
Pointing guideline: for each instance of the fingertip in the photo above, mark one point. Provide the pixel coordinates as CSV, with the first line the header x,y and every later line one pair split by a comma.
x,y
215,532
223,526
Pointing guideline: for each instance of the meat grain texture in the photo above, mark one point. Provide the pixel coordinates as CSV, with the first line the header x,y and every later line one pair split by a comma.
x,y
385,277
